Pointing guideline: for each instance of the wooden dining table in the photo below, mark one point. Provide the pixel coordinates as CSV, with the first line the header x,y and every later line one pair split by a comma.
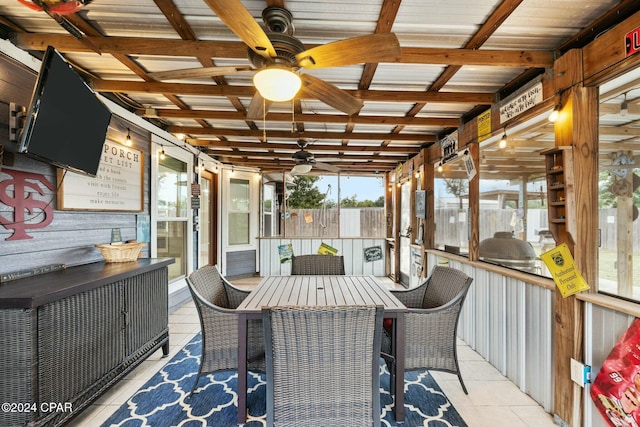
x,y
321,291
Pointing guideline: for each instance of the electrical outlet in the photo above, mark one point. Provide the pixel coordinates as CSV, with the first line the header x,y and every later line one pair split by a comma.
x,y
580,373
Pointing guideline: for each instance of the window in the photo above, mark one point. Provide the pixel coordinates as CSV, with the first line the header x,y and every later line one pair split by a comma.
x,y
172,213
619,187
362,206
324,206
269,209
513,215
239,205
451,207
312,206
207,226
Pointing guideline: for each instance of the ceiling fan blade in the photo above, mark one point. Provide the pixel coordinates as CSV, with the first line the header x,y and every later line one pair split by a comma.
x,y
258,107
239,20
382,47
187,73
329,94
327,167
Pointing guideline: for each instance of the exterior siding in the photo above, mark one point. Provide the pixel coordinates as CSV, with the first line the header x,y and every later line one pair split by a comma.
x,y
241,263
510,323
70,238
352,249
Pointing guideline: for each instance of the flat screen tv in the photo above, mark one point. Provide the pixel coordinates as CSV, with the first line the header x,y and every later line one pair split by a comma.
x,y
66,124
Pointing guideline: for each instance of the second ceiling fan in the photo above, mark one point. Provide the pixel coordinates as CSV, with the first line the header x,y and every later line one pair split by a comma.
x,y
277,49
305,161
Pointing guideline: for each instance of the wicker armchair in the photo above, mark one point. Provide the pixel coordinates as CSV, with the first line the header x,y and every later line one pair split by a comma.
x,y
432,321
316,264
310,354
216,300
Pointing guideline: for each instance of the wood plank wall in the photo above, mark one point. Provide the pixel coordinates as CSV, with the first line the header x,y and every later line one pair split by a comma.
x,y
70,238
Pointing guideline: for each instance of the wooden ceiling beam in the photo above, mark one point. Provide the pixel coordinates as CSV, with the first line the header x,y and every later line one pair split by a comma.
x,y
367,136
351,148
221,49
369,167
329,158
308,118
124,86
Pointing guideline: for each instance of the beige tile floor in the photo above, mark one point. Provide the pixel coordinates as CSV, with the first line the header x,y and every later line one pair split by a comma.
x,y
493,400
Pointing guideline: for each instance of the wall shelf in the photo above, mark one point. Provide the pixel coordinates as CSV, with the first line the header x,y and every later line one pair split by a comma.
x,y
559,174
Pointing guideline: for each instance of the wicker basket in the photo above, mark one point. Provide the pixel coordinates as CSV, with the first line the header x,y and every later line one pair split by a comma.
x,y
125,252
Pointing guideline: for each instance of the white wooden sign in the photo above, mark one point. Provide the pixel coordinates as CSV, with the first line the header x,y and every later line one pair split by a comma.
x,y
521,102
449,146
118,185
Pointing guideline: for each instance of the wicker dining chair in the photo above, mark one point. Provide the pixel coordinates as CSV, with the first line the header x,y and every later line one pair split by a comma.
x,y
323,365
216,300
316,264
431,321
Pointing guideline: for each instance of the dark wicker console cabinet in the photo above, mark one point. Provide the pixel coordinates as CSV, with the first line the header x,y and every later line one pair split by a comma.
x,y
68,336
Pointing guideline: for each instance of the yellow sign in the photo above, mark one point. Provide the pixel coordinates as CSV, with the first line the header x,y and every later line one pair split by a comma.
x,y
326,249
563,270
484,125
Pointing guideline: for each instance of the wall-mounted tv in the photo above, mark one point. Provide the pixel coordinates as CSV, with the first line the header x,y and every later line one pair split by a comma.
x,y
66,124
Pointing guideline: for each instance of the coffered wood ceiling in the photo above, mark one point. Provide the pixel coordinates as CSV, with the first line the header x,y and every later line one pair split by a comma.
x,y
457,59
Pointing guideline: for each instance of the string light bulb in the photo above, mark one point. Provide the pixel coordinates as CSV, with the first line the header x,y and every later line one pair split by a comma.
x,y
127,140
503,141
624,106
440,168
555,113
162,155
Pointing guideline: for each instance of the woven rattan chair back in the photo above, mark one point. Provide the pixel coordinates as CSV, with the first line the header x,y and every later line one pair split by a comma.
x,y
215,299
316,264
310,353
431,321
443,285
208,283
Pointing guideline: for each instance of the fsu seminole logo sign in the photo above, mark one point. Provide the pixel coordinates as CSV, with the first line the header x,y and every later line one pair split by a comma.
x,y
19,192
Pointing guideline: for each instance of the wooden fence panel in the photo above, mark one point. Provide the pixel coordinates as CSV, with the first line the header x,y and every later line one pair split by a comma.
x,y
353,222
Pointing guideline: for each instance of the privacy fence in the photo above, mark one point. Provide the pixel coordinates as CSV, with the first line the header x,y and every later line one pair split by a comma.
x,y
346,222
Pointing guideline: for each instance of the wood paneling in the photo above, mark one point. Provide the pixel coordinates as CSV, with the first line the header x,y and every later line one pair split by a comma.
x,y
608,50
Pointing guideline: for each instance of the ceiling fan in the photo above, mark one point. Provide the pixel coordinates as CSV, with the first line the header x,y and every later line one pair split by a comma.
x,y
277,49
305,161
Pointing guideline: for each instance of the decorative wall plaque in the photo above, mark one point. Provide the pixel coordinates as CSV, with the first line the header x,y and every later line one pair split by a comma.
x,y
118,185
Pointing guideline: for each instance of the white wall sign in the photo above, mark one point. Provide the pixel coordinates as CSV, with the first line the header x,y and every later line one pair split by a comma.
x,y
117,186
521,102
449,146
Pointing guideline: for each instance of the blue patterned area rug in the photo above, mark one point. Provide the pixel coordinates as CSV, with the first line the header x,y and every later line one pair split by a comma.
x,y
164,400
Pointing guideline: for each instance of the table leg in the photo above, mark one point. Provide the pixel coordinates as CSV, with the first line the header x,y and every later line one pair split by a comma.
x,y
242,368
398,346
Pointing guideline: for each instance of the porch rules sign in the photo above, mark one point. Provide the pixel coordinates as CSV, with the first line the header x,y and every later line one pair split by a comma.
x,y
117,186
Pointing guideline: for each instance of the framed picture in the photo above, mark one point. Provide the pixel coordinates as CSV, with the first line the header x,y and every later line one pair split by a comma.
x,y
421,204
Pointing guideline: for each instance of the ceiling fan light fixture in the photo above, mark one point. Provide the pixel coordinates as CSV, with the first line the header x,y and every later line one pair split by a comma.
x,y
303,168
277,84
